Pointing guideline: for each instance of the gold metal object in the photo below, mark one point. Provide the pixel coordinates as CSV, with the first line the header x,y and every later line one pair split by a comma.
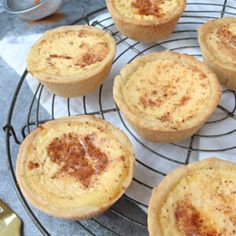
x,y
10,223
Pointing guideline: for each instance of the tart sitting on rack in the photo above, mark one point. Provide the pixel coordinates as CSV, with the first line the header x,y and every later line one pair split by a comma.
x,y
167,96
75,167
217,39
198,199
72,60
146,20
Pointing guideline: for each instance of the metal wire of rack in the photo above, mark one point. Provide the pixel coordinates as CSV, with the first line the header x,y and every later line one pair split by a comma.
x,y
33,118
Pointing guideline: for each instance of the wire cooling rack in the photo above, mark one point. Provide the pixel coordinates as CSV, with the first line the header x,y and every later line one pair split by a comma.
x,y
125,216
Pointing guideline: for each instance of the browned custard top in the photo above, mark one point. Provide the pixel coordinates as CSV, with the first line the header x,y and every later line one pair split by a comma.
x,y
32,165
146,9
172,93
77,162
190,221
203,203
78,158
221,40
69,52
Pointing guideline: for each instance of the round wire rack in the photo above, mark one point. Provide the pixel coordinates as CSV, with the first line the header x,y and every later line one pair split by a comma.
x,y
215,138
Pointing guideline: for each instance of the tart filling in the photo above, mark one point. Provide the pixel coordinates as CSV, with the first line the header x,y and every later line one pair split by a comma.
x,y
75,164
69,52
221,41
170,92
199,207
146,9
197,199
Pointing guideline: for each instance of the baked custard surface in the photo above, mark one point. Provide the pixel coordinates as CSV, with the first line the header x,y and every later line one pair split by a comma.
x,y
75,167
146,9
217,39
72,61
68,52
166,92
146,20
199,199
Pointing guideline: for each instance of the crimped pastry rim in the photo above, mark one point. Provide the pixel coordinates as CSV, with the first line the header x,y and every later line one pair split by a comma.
x,y
167,185
176,14
151,125
76,213
86,75
203,31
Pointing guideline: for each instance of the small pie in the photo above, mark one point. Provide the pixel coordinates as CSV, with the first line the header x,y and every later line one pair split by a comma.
x,y
146,20
217,39
72,60
76,167
198,199
167,96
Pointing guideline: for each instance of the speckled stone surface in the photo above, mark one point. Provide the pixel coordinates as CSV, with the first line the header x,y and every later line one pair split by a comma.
x,y
12,25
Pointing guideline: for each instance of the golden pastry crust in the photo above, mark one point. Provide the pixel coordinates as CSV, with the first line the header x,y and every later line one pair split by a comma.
x,y
217,39
197,199
145,20
72,60
76,167
166,96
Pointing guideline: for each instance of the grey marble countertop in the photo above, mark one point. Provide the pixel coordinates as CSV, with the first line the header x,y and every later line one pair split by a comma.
x,y
12,25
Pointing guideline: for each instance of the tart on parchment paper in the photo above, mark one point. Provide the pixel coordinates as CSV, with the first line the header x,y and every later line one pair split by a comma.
x,y
166,97
217,39
75,167
72,60
146,20
197,199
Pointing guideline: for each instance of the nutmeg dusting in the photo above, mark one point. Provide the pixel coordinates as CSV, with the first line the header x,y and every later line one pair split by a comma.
x,y
78,157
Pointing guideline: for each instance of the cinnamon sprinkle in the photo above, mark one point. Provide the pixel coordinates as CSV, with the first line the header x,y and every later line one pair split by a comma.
x,y
165,117
147,7
100,158
147,102
60,56
184,100
32,165
227,38
68,152
86,60
191,222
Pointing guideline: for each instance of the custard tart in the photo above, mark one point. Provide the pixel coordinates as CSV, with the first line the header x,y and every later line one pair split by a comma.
x,y
72,60
198,199
167,96
217,39
146,20
76,167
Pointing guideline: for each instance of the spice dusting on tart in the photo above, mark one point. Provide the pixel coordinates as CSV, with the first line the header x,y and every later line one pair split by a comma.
x,y
78,158
226,38
208,211
100,158
84,34
147,7
150,102
184,100
85,164
87,59
191,222
67,52
89,54
59,56
220,39
32,165
182,89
